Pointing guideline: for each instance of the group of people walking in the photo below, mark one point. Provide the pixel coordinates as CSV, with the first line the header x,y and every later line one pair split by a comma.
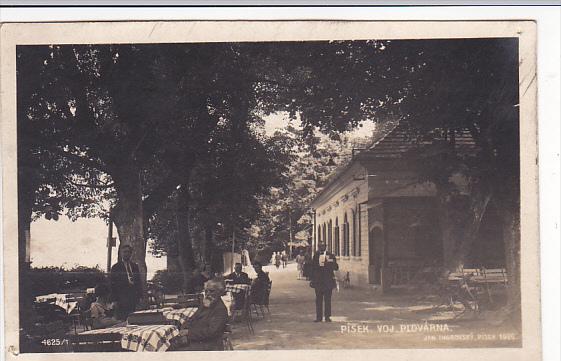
x,y
279,258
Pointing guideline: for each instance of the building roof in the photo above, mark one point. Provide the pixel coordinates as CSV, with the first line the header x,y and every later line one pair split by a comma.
x,y
398,143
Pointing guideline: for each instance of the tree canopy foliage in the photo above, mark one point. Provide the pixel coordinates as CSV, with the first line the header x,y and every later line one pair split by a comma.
x,y
164,134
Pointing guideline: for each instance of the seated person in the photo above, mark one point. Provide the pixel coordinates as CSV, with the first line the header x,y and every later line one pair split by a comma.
x,y
207,271
87,301
204,330
101,310
259,285
198,280
238,277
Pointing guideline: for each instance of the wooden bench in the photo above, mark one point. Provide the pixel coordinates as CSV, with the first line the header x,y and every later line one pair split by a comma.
x,y
96,342
186,300
482,280
495,275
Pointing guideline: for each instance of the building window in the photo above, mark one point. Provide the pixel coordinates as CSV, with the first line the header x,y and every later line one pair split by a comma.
x,y
336,234
346,236
359,246
354,233
330,236
318,235
324,234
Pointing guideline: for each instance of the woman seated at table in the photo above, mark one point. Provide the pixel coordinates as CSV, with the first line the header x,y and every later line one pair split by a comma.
x,y
101,310
204,330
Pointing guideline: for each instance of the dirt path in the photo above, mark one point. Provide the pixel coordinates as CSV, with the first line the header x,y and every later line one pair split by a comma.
x,y
361,319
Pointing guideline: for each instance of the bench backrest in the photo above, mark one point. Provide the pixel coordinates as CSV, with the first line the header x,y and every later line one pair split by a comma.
x,y
96,342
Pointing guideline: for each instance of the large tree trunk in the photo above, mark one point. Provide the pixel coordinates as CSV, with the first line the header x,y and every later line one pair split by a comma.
x,y
209,246
25,206
128,215
184,247
460,234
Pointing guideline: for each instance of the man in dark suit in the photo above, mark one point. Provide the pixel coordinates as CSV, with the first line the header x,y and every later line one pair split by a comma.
x,y
323,281
238,277
126,286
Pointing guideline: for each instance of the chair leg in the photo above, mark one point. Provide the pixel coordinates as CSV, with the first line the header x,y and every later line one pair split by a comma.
x,y
250,325
248,320
256,310
253,308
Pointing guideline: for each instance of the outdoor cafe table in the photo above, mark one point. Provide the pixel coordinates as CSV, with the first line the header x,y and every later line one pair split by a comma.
x,y
180,315
141,338
237,288
62,300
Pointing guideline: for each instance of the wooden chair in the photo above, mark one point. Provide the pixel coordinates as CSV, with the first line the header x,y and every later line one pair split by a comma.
x,y
244,310
263,302
86,320
226,342
491,278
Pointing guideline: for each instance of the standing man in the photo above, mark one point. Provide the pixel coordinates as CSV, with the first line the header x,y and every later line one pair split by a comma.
x,y
323,281
126,286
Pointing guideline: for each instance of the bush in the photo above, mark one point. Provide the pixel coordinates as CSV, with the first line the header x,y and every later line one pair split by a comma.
x,y
45,280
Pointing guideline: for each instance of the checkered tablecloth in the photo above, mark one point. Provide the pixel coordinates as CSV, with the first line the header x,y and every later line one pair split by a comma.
x,y
181,314
237,288
62,300
46,298
141,338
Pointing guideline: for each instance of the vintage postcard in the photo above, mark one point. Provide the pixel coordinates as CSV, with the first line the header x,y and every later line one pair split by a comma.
x,y
330,188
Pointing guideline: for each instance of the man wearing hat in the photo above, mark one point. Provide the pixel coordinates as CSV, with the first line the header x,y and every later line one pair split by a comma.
x,y
323,281
204,330
126,286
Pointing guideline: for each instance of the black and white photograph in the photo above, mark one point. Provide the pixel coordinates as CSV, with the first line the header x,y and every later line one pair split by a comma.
x,y
330,192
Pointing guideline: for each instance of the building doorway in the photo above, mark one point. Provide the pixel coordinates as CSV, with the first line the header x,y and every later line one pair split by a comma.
x,y
375,255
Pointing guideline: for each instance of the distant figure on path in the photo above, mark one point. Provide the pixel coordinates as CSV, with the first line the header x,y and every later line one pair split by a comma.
x,y
307,268
300,264
126,286
284,259
323,281
277,260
